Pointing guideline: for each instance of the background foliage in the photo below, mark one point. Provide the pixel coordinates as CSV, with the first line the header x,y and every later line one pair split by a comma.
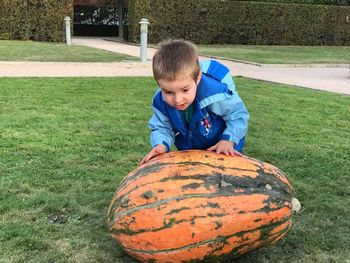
x,y
241,22
309,2
266,22
41,20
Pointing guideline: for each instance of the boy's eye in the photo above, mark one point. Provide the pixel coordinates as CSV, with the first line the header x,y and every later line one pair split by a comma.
x,y
185,90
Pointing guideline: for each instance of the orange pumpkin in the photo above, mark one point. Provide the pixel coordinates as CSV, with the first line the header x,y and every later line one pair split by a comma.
x,y
197,205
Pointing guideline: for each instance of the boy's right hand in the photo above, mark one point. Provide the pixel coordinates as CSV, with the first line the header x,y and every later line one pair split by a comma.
x,y
159,149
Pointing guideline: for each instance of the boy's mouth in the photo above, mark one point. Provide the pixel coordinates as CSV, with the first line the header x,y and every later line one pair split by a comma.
x,y
181,107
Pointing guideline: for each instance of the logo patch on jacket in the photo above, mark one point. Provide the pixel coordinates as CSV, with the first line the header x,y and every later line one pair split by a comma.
x,y
206,124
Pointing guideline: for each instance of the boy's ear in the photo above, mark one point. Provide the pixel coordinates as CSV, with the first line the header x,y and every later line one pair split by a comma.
x,y
199,77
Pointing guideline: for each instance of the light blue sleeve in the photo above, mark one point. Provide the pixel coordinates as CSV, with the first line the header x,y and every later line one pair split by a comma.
x,y
161,130
236,115
226,78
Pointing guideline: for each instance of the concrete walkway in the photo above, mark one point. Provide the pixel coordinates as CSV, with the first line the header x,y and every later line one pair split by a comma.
x,y
327,78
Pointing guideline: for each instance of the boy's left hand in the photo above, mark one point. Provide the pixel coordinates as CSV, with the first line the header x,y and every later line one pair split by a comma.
x,y
225,147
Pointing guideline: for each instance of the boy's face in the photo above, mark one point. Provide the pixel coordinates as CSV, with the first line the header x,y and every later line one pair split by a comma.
x,y
181,92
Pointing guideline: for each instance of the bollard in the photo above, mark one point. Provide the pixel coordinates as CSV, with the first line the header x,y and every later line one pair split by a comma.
x,y
143,40
68,34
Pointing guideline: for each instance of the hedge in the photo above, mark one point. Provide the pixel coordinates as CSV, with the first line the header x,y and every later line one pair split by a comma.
x,y
308,2
241,22
41,20
202,21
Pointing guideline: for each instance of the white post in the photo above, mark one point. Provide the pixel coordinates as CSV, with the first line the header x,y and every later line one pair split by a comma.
x,y
143,40
68,34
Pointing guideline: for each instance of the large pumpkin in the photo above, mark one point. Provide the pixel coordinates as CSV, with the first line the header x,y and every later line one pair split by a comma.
x,y
198,205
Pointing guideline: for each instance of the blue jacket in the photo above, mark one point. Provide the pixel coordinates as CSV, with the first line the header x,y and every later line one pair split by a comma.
x,y
219,114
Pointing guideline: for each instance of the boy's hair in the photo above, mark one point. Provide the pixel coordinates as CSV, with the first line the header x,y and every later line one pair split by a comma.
x,y
175,58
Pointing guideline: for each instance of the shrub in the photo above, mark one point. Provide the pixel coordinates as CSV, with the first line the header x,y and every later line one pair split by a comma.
x,y
309,2
41,20
241,22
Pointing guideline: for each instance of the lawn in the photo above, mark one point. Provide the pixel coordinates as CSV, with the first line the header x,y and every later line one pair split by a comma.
x,y
46,51
66,143
280,54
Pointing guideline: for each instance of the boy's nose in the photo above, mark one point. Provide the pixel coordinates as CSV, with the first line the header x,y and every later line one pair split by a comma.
x,y
178,99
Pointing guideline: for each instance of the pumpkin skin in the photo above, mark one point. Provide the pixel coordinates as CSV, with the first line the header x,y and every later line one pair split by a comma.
x,y
190,206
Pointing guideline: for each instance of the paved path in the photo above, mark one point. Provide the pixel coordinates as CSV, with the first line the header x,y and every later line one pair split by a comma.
x,y
74,69
327,78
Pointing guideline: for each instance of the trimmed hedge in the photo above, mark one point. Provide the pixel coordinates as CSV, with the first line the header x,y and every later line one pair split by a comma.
x,y
41,20
240,22
308,2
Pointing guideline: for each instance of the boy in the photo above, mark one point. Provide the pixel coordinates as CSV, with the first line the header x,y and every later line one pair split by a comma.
x,y
196,105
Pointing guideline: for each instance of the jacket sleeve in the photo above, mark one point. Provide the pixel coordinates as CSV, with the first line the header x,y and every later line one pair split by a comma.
x,y
236,116
161,130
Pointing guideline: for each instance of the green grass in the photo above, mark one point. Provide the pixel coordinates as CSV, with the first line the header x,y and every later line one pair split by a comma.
x,y
45,51
66,143
280,54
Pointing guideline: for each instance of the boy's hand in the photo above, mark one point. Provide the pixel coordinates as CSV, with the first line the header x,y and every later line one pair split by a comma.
x,y
159,149
225,147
